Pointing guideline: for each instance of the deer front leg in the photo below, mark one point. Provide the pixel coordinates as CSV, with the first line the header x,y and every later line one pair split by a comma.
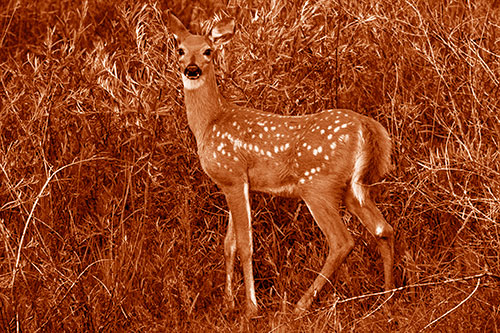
x,y
229,253
239,206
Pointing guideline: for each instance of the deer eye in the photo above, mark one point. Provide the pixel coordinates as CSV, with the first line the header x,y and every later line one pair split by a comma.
x,y
181,52
207,52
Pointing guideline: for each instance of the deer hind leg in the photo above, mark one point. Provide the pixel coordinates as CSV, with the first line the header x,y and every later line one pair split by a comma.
x,y
229,254
372,219
240,221
340,242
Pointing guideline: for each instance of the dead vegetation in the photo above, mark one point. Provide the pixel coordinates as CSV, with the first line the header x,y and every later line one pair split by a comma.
x,y
108,223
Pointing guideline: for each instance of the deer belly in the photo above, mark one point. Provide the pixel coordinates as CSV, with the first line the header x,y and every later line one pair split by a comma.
x,y
274,180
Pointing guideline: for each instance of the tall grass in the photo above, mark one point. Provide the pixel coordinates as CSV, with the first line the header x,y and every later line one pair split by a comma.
x,y
108,223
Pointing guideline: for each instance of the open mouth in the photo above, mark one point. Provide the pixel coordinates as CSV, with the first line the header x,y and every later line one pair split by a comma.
x,y
192,72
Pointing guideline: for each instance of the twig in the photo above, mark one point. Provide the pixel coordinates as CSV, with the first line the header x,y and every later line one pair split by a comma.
x,y
26,225
392,291
466,278
452,309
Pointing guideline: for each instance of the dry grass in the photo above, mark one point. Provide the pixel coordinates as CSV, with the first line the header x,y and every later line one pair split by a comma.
x,y
107,222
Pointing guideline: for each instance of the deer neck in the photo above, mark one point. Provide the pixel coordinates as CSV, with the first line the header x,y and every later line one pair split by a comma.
x,y
204,104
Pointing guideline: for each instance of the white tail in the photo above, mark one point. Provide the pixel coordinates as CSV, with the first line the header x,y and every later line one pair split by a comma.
x,y
323,158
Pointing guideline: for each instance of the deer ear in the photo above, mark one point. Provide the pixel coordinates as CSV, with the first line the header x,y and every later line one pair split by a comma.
x,y
177,28
222,32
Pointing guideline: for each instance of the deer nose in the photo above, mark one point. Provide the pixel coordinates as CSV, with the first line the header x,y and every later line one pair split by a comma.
x,y
192,71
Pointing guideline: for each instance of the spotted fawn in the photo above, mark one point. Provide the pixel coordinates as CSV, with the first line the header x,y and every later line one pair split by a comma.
x,y
325,159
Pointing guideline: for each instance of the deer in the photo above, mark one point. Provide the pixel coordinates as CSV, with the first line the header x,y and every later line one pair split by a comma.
x,y
327,159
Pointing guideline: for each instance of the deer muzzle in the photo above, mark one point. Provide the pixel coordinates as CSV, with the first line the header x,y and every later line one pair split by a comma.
x,y
192,72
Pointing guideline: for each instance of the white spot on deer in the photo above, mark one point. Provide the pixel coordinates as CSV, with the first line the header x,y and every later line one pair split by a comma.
x,y
379,230
320,149
268,153
276,149
336,129
266,129
237,143
333,145
326,157
330,136
344,125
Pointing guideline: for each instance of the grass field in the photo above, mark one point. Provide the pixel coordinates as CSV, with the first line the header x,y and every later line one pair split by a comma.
x,y
108,223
